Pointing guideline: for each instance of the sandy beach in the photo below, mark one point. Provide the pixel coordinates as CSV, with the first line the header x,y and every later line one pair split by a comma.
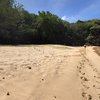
x,y
49,72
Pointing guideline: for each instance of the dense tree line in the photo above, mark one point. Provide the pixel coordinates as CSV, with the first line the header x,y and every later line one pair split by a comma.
x,y
18,26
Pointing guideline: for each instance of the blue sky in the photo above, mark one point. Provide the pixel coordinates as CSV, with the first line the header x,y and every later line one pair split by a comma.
x,y
70,10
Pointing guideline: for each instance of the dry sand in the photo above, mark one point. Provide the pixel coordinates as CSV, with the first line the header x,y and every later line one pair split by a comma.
x,y
49,72
97,50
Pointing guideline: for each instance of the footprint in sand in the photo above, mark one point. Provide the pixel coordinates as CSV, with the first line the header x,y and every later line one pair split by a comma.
x,y
86,96
90,64
93,85
3,77
82,72
81,63
89,97
54,96
8,93
83,60
84,78
85,86
95,70
29,67
42,79
98,82
99,96
96,87
1,69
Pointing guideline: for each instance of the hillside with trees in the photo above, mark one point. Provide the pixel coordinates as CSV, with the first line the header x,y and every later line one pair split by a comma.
x,y
18,26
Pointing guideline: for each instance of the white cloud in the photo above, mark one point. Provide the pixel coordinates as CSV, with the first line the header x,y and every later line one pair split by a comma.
x,y
70,18
64,18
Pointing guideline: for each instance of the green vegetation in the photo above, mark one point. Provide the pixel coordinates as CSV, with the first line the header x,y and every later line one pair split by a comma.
x,y
18,26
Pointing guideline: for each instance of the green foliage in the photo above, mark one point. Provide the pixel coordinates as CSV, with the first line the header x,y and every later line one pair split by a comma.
x,y
51,27
94,36
18,26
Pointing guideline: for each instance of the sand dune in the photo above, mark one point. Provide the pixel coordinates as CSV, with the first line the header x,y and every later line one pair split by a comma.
x,y
49,72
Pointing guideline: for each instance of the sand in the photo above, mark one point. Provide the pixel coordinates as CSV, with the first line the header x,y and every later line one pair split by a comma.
x,y
49,72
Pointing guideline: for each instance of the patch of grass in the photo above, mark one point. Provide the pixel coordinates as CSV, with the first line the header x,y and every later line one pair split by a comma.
x,y
97,50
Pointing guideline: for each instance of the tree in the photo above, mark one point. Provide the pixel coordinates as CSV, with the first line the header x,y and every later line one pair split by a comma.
x,y
94,36
18,26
